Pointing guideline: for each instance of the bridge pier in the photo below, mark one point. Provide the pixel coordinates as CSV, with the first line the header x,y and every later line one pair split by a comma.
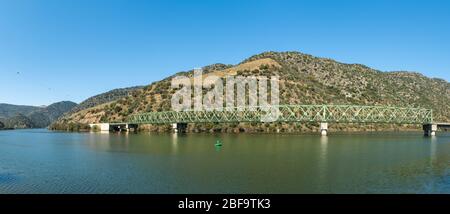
x,y
429,129
131,127
323,129
179,127
118,127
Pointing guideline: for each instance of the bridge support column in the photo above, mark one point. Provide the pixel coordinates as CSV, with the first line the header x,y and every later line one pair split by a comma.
x,y
323,129
131,127
179,127
429,129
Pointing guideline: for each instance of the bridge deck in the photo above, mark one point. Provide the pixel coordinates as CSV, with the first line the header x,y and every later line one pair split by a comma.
x,y
442,125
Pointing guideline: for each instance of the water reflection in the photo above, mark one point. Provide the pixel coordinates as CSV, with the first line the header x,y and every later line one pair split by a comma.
x,y
99,141
218,148
433,154
174,148
322,163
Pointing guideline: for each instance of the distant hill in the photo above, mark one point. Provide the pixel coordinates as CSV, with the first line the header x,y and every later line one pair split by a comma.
x,y
8,110
304,79
55,110
39,117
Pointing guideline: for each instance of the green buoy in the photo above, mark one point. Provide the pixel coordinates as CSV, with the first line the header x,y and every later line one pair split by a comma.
x,y
218,143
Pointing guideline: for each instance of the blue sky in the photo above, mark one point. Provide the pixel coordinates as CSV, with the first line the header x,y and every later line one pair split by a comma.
x,y
53,50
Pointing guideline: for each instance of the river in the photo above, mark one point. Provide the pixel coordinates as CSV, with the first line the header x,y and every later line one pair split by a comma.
x,y
42,161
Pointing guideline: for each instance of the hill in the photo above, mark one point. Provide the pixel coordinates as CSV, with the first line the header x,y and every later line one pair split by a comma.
x,y
39,117
8,110
304,79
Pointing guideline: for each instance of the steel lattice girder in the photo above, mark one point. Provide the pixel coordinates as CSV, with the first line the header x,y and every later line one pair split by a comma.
x,y
293,113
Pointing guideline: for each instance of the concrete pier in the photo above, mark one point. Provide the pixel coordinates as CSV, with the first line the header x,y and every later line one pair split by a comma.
x,y
179,127
323,129
131,127
429,129
118,127
104,127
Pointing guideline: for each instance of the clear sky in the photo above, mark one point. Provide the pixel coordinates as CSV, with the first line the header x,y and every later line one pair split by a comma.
x,y
70,50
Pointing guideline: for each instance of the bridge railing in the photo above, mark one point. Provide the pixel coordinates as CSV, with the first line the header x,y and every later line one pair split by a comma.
x,y
292,113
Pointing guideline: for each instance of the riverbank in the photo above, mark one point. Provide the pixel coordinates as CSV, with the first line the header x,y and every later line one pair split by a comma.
x,y
250,128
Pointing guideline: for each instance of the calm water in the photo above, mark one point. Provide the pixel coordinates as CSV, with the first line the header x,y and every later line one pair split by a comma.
x,y
40,161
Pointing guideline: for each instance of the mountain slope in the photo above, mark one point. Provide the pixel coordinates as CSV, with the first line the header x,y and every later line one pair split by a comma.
x,y
304,79
19,121
39,117
43,117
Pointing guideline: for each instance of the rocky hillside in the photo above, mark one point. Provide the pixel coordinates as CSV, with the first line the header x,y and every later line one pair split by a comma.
x,y
39,117
304,79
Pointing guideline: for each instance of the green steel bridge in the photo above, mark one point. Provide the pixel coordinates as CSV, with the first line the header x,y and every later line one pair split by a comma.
x,y
292,113
322,114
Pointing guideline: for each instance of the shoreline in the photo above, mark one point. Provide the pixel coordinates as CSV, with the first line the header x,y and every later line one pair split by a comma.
x,y
215,133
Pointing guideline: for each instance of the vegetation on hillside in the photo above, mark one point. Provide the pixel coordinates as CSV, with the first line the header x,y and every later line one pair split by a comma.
x,y
19,121
71,127
304,79
104,98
